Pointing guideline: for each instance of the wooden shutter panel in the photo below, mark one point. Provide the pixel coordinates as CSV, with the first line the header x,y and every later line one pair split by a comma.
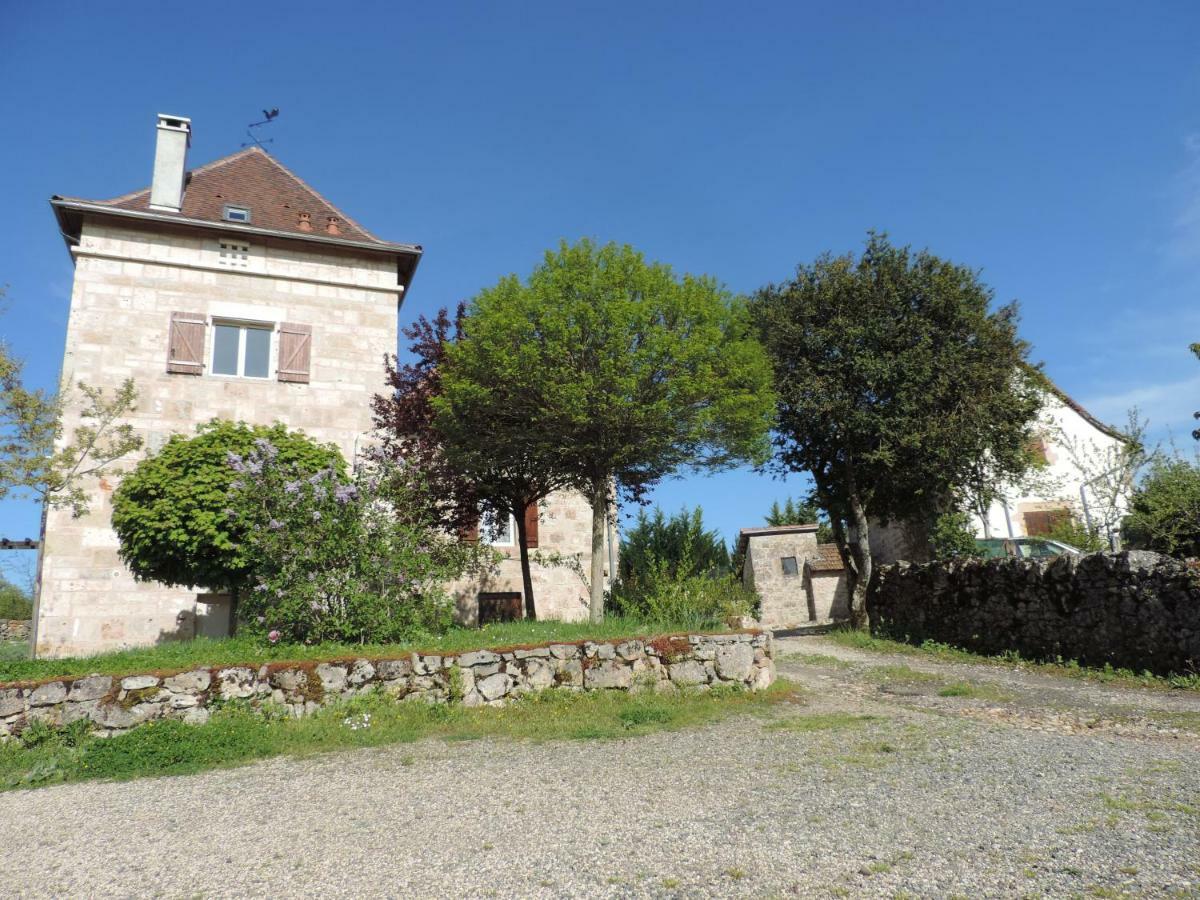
x,y
185,346
531,525
1042,522
295,352
471,534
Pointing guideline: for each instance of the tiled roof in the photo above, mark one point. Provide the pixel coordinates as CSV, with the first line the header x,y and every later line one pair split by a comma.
x,y
252,178
828,560
1043,379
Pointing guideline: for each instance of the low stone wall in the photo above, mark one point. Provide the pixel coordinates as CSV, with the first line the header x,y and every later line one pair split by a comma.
x,y
477,678
14,629
1134,609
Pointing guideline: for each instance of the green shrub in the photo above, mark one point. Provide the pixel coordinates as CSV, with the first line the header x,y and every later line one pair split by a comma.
x,y
952,537
684,602
334,558
14,602
1071,531
1165,512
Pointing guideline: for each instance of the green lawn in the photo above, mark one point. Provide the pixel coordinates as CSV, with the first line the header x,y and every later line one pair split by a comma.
x,y
862,640
237,734
183,655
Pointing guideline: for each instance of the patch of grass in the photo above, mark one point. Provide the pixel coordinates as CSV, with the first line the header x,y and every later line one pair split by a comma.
x,y
1107,674
180,656
821,722
236,734
900,675
974,691
822,660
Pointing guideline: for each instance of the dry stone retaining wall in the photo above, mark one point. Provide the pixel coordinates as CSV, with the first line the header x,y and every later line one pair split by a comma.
x,y
1134,609
476,678
14,629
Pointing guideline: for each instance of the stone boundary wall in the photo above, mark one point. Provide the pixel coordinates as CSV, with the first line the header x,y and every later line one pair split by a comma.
x,y
477,678
1134,609
15,629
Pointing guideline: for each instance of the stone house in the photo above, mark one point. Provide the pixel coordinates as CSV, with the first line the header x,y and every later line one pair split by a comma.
x,y
799,582
234,291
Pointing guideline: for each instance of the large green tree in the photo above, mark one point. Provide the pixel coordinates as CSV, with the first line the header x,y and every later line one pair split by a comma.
x,y
176,517
602,370
895,376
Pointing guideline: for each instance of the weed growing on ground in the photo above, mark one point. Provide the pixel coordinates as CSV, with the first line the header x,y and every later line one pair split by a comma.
x,y
237,734
821,722
973,691
13,651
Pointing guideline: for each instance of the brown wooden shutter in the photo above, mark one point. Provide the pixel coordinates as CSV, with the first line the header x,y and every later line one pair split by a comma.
x,y
1042,522
471,534
531,525
185,347
295,352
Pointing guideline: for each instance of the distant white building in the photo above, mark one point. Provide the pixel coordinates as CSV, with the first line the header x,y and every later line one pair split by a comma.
x,y
1084,477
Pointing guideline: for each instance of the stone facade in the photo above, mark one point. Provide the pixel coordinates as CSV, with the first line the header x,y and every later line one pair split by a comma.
x,y
14,629
128,282
558,565
1135,609
114,704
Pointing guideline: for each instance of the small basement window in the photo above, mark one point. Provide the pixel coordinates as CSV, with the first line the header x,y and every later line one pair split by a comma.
x,y
236,213
241,350
789,566
233,254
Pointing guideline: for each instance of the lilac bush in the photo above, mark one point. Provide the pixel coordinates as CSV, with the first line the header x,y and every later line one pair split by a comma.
x,y
343,558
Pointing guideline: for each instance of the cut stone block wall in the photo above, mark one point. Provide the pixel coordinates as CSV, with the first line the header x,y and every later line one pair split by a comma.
x,y
14,629
114,704
1135,609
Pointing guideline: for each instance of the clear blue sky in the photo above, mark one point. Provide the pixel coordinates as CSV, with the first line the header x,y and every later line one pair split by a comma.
x,y
1056,146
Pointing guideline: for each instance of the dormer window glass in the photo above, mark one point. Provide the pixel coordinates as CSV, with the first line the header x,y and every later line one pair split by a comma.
x,y
233,213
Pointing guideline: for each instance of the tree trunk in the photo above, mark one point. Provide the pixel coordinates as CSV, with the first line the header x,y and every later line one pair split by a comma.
x,y
599,501
526,576
861,547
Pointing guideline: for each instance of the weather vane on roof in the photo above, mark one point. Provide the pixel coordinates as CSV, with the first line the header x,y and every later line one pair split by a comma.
x,y
269,116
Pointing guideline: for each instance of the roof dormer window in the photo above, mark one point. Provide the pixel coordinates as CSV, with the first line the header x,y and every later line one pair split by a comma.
x,y
233,213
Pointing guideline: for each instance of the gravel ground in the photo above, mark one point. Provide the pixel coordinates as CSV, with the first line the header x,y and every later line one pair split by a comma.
x,y
1058,788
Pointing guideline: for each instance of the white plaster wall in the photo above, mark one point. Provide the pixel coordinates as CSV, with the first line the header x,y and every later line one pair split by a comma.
x,y
127,284
1057,485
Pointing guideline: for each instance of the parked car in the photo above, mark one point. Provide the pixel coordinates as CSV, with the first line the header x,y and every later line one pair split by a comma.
x,y
1024,548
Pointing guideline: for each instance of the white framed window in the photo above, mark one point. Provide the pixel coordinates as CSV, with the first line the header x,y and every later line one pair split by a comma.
x,y
241,349
234,254
498,529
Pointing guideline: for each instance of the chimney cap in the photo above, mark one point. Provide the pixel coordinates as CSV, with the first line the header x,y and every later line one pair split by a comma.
x,y
176,123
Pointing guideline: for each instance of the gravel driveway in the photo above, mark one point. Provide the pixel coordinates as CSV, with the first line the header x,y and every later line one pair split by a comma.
x,y
876,786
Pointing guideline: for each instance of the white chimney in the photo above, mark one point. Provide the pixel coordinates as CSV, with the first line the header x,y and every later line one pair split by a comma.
x,y
170,162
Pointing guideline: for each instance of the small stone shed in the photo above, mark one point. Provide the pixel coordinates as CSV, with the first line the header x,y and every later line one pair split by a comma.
x,y
799,581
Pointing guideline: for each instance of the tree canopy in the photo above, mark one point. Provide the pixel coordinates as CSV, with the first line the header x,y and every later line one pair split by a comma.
x,y
1164,514
175,515
603,370
894,377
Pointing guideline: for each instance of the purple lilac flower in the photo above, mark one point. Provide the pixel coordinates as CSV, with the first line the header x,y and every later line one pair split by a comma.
x,y
260,587
316,515
275,525
292,487
344,493
235,462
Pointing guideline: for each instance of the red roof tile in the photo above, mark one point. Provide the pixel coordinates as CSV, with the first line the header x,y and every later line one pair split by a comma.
x,y
252,178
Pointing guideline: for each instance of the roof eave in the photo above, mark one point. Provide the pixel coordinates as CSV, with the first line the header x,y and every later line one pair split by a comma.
x,y
61,203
